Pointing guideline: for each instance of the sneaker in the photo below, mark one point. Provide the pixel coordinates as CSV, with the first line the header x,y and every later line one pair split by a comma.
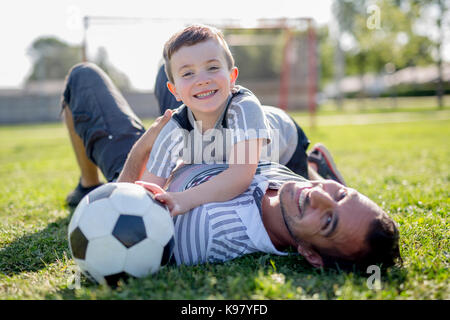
x,y
325,164
74,198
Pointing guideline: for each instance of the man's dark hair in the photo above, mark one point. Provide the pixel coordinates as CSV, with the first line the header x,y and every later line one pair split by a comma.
x,y
381,248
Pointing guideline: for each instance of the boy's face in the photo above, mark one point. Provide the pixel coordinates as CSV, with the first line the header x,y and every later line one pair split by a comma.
x,y
202,80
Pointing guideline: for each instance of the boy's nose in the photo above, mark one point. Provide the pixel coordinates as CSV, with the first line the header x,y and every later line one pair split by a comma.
x,y
203,82
203,79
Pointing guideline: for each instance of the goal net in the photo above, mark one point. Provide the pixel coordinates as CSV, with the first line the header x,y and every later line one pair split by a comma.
x,y
277,58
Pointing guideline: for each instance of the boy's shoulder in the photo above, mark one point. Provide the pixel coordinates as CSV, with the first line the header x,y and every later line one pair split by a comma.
x,y
180,118
243,97
241,92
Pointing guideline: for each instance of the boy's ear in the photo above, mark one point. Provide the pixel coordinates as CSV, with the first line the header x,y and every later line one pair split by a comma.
x,y
173,90
233,75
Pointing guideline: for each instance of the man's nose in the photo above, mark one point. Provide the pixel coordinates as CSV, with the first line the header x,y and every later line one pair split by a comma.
x,y
319,199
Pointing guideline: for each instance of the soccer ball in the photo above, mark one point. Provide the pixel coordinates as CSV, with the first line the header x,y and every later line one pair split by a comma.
x,y
118,230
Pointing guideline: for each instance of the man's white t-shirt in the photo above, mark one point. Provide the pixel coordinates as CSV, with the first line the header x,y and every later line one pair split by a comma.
x,y
221,231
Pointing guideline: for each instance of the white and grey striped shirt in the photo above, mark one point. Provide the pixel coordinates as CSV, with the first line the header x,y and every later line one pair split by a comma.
x,y
243,119
217,232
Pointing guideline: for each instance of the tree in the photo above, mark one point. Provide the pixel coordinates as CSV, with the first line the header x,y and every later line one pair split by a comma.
x,y
118,78
394,41
325,52
257,53
52,58
441,21
344,14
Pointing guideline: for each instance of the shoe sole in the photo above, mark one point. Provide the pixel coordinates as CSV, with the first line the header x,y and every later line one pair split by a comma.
x,y
329,159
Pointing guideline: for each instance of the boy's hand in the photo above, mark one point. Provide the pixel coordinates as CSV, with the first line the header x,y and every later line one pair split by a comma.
x,y
174,201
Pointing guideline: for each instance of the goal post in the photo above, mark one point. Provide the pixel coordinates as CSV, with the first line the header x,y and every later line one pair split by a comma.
x,y
277,58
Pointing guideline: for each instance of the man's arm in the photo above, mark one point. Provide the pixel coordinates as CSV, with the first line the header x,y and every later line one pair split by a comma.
x,y
137,158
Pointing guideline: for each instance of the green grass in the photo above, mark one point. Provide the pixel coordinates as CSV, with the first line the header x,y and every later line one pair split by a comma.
x,y
404,167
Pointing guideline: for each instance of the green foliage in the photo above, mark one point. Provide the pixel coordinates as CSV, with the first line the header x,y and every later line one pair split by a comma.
x,y
119,78
52,58
395,41
402,166
325,50
257,61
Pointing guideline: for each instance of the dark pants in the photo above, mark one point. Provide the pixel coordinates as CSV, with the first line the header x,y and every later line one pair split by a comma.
x,y
102,118
108,126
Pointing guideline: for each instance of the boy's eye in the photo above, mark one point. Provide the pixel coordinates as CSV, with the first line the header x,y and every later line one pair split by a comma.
x,y
186,74
212,68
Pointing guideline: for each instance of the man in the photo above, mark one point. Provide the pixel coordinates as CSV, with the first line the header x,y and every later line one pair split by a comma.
x,y
326,222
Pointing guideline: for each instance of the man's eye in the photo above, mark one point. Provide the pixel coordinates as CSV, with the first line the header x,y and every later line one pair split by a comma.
x,y
327,223
341,195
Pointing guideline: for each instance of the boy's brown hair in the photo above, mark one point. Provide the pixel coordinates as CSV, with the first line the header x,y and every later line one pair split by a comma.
x,y
190,36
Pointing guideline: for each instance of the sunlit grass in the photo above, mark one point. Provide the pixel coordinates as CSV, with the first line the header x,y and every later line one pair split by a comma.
x,y
404,167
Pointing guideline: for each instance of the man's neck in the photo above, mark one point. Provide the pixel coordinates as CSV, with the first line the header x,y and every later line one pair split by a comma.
x,y
273,221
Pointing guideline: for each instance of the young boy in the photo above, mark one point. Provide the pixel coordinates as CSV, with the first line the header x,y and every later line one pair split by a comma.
x,y
202,75
215,112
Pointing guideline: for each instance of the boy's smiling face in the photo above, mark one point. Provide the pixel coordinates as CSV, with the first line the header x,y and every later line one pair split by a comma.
x,y
202,78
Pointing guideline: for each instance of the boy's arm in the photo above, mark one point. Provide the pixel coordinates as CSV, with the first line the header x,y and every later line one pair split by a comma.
x,y
223,187
137,158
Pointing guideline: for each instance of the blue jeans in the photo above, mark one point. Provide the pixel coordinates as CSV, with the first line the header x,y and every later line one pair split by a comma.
x,y
102,118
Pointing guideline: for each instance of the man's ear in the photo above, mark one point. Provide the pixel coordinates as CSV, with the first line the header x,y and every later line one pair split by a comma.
x,y
310,255
233,76
173,90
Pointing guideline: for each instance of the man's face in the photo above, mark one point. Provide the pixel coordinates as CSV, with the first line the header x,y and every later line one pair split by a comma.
x,y
202,79
327,215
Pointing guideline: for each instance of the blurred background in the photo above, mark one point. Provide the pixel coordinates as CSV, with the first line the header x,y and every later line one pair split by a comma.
x,y
312,57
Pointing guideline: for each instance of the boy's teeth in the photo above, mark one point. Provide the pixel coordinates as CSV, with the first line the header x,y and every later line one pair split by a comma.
x,y
201,95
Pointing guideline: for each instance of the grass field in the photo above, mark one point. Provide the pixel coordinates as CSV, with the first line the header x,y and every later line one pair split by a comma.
x,y
403,166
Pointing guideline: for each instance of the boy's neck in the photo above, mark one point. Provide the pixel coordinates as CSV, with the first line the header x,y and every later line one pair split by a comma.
x,y
206,121
209,119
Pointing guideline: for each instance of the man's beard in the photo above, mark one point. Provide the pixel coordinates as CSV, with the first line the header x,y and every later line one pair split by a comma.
x,y
286,217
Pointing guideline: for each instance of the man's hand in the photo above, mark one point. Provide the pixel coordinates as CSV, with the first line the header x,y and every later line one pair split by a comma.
x,y
152,133
139,154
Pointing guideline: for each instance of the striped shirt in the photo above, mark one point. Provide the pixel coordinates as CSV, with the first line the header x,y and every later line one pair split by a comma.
x,y
243,119
217,232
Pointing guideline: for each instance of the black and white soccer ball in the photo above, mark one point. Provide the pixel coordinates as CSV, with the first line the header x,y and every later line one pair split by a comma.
x,y
119,230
